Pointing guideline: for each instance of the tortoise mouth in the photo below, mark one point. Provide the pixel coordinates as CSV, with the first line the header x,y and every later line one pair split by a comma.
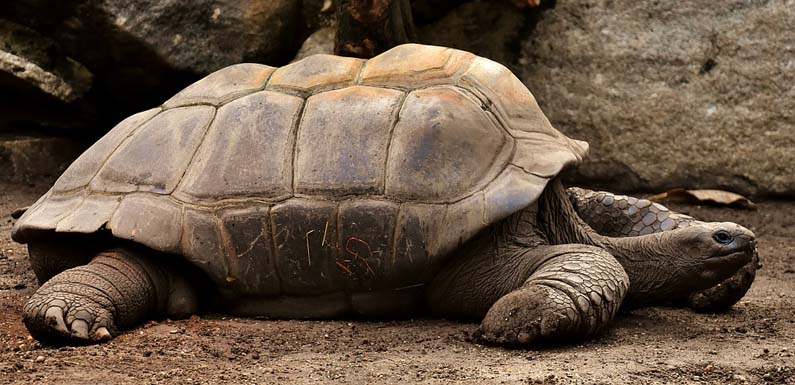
x,y
740,257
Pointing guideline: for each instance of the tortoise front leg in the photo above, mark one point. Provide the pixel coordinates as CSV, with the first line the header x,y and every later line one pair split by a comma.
x,y
117,290
534,295
622,216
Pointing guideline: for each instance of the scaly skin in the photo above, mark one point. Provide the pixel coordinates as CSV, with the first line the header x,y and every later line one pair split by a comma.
x,y
118,289
553,278
622,216
572,295
527,291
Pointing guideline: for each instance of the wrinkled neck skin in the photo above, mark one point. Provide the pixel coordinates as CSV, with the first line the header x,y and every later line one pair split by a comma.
x,y
646,259
651,270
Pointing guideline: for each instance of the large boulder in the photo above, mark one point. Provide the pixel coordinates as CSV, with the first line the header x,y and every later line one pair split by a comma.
x,y
37,61
201,36
671,93
41,86
36,159
141,52
487,28
197,36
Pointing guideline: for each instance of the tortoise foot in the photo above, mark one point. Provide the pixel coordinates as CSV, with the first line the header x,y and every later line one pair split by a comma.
x,y
89,304
570,297
59,317
523,317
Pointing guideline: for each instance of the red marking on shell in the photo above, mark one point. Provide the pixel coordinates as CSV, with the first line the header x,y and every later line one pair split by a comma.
x,y
343,267
356,254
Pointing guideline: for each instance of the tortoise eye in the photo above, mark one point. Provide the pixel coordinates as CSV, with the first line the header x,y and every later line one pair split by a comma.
x,y
722,237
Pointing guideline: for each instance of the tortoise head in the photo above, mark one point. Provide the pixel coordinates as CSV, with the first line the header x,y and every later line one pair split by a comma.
x,y
674,264
711,252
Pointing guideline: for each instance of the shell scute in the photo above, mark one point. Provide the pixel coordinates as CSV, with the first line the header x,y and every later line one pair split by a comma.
x,y
82,170
366,230
151,220
155,158
353,125
512,191
443,147
248,149
251,259
223,85
317,72
414,66
202,245
93,213
306,246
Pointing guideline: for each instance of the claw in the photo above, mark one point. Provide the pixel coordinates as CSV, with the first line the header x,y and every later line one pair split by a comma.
x,y
80,329
102,334
54,318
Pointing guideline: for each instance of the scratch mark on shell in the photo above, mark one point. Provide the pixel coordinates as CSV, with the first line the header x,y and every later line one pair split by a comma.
x,y
308,253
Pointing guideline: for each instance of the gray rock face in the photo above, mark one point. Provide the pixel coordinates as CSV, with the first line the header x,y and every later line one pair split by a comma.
x,y
36,159
142,52
319,42
205,35
486,28
671,94
36,60
40,85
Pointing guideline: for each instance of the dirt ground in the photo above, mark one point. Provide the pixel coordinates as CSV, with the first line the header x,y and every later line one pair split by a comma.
x,y
753,343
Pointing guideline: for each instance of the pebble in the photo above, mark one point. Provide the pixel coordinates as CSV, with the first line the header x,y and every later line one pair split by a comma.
x,y
39,359
739,377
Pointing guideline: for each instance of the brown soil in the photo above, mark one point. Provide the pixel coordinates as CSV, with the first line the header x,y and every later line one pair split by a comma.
x,y
753,343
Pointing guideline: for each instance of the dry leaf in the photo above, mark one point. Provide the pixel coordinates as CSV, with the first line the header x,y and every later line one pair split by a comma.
x,y
707,196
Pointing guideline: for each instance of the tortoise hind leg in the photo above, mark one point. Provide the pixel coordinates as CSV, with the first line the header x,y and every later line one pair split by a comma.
x,y
61,252
541,294
621,216
117,290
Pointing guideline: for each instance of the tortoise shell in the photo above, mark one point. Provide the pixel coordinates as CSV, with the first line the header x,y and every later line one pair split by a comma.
x,y
328,174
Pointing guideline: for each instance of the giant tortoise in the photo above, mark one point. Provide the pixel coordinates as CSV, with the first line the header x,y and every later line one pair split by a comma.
x,y
421,181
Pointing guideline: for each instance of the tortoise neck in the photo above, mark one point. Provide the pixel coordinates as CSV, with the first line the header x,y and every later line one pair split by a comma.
x,y
647,261
641,257
560,221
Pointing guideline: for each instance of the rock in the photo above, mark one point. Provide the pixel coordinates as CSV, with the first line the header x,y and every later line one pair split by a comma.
x,y
671,94
142,52
201,36
29,159
319,42
318,14
426,11
197,36
35,76
486,28
39,359
36,60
